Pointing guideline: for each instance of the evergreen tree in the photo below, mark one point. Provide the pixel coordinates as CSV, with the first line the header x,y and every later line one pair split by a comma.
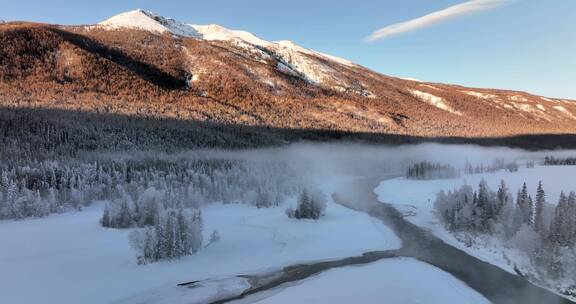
x,y
560,225
539,209
524,207
124,219
105,220
529,216
571,218
503,198
310,206
183,245
485,206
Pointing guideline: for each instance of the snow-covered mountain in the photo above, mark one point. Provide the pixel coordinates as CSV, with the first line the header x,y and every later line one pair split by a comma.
x,y
294,59
141,63
148,21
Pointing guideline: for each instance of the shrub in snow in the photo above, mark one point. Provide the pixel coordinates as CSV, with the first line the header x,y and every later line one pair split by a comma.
x,y
311,205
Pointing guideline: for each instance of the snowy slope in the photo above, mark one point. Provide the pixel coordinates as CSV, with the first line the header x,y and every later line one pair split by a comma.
x,y
148,21
302,61
434,101
392,281
217,32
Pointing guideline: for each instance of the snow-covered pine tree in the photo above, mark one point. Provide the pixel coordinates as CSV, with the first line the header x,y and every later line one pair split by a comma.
x,y
529,216
304,206
105,220
168,236
485,206
560,225
571,209
539,210
311,205
124,217
524,207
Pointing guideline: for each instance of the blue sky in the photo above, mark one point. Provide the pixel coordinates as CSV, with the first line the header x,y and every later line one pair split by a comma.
x,y
526,45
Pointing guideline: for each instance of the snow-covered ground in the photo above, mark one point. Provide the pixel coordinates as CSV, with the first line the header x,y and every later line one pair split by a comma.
x,y
69,258
399,280
417,197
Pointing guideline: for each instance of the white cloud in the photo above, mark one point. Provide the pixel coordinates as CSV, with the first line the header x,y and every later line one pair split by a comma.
x,y
432,18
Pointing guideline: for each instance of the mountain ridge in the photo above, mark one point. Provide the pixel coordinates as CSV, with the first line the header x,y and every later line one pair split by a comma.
x,y
210,73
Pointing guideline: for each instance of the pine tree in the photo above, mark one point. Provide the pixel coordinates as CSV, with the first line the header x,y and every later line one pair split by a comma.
x,y
560,225
196,228
160,237
169,237
105,220
485,206
124,215
529,212
571,218
51,201
12,194
524,207
303,209
183,245
539,209
502,197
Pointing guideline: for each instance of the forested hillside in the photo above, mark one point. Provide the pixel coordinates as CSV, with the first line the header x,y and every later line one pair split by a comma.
x,y
239,81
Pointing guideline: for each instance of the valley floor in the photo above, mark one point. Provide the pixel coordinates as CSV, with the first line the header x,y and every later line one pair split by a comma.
x,y
69,258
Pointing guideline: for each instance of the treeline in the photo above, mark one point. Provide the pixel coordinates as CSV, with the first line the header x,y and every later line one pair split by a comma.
x,y
36,189
559,161
483,210
496,165
546,233
32,133
427,170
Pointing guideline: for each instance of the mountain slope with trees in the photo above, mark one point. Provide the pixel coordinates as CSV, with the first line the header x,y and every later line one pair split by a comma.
x,y
215,75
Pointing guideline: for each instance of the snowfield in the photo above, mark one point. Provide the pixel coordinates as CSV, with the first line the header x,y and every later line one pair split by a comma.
x,y
391,281
417,197
433,100
69,258
296,59
148,21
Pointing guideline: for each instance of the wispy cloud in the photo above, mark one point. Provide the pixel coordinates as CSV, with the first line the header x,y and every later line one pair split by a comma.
x,y
432,18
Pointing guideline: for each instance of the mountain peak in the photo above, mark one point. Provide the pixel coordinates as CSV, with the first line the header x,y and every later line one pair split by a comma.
x,y
149,21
